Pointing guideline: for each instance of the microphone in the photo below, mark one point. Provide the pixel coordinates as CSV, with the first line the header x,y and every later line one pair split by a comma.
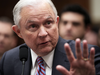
x,y
23,55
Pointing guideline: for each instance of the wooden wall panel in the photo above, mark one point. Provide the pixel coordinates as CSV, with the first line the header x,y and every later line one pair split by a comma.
x,y
6,7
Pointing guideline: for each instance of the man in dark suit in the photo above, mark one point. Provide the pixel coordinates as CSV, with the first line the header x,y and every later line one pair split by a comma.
x,y
37,23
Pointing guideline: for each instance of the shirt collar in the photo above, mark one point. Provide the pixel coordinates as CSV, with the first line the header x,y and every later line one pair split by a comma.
x,y
48,58
34,57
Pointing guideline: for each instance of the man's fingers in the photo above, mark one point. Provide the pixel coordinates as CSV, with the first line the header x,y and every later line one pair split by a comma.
x,y
63,70
78,49
69,53
92,53
85,49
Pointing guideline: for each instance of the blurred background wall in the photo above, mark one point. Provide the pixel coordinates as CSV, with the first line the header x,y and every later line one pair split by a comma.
x,y
94,6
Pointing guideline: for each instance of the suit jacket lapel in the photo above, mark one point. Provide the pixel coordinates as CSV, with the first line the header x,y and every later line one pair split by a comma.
x,y
60,57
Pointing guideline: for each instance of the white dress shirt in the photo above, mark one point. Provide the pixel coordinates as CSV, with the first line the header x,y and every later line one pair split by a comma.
x,y
48,60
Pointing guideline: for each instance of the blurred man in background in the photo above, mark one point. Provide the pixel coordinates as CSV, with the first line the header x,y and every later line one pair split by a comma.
x,y
74,22
92,35
98,36
7,39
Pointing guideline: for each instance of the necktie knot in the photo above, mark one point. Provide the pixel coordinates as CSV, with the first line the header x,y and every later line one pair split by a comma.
x,y
39,60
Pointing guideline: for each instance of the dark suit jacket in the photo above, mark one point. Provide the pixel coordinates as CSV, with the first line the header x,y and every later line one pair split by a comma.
x,y
10,63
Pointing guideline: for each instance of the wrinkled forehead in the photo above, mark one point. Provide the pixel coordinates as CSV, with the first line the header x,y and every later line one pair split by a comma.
x,y
40,12
41,9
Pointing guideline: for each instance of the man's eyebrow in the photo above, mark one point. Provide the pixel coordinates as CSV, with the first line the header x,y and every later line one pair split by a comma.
x,y
30,21
49,17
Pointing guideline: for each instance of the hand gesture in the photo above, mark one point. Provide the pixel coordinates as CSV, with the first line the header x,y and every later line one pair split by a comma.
x,y
82,65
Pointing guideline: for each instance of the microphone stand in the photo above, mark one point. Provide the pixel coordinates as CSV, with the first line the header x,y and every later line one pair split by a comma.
x,y
23,65
23,55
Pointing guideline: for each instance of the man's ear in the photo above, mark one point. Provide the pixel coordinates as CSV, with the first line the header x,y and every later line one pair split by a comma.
x,y
57,20
17,30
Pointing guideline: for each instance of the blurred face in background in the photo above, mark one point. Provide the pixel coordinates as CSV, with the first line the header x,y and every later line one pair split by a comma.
x,y
91,37
99,37
38,28
71,26
6,35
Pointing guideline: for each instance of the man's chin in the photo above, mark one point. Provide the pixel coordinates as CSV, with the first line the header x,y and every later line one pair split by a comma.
x,y
69,38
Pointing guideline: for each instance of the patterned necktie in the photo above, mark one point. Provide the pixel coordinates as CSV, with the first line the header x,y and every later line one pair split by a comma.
x,y
41,69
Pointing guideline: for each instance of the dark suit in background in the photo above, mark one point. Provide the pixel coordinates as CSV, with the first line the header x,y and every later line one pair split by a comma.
x,y
10,64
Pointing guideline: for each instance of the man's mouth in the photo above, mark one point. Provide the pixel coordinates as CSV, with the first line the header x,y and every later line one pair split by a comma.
x,y
68,34
44,43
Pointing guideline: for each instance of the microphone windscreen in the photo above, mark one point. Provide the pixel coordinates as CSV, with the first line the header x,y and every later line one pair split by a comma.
x,y
23,53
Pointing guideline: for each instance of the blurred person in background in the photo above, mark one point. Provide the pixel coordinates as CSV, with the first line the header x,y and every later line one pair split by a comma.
x,y
99,36
7,38
92,35
74,22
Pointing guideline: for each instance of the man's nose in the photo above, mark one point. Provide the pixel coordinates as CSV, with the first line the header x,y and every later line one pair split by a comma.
x,y
69,26
42,32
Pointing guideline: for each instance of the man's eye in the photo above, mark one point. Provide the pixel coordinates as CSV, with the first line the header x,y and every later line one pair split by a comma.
x,y
64,22
33,26
76,24
48,22
7,36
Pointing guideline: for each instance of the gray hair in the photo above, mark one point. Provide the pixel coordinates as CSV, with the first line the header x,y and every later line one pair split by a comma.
x,y
23,3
